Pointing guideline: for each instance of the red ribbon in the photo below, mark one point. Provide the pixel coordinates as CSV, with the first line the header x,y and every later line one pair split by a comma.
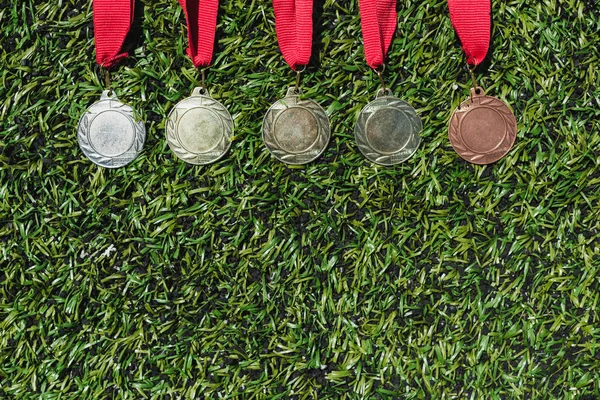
x,y
112,22
293,23
378,20
472,22
201,18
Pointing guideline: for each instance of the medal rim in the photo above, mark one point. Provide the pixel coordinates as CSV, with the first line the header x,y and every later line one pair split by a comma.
x,y
461,148
323,134
376,156
227,129
83,132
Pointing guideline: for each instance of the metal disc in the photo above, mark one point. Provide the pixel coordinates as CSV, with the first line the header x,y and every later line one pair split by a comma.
x,y
199,129
387,130
108,133
482,129
296,131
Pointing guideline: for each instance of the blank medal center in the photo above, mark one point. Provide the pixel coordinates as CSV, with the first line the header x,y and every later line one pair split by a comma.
x,y
111,133
296,129
199,130
483,129
388,130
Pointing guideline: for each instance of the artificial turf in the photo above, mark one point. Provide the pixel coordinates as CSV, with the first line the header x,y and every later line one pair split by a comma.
x,y
338,280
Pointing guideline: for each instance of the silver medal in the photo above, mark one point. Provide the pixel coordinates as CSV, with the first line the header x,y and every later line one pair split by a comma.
x,y
387,130
199,129
109,134
296,131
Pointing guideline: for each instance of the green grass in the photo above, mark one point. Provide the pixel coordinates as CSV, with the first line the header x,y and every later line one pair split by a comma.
x,y
338,280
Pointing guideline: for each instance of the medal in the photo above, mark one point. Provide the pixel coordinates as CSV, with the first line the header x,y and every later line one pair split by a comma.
x,y
387,130
295,130
199,128
108,132
482,129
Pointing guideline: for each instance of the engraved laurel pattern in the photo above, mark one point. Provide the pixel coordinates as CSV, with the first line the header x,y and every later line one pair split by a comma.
x,y
361,136
84,142
200,158
322,137
174,142
140,132
83,133
268,133
507,142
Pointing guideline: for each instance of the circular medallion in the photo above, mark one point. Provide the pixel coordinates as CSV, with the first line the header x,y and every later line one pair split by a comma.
x,y
108,133
296,131
199,129
482,129
387,130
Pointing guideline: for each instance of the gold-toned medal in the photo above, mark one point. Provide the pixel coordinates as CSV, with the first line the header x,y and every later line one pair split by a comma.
x,y
199,129
295,130
387,130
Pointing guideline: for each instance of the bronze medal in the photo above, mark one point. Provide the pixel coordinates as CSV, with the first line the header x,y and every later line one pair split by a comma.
x,y
482,129
296,131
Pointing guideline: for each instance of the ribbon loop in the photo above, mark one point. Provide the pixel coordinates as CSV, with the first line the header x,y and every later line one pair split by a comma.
x,y
472,22
294,26
112,23
378,21
201,19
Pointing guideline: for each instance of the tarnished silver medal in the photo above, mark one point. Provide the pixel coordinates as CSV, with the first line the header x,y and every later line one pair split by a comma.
x,y
295,130
199,129
109,134
388,130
